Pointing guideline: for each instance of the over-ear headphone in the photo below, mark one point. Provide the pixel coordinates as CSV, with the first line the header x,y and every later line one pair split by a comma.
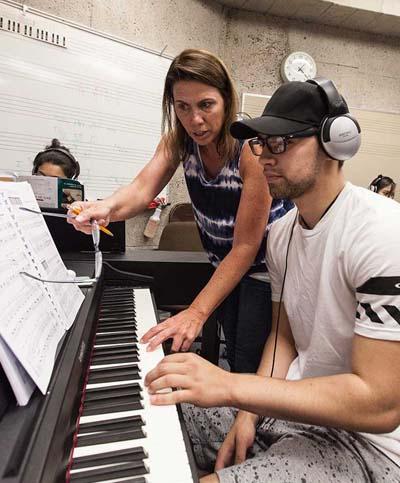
x,y
339,132
74,162
375,183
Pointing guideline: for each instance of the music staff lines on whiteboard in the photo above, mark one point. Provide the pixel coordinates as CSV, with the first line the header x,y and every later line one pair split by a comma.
x,y
72,115
13,101
126,61
88,84
29,144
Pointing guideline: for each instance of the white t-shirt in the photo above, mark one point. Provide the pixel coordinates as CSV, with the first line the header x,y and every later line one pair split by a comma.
x,y
343,277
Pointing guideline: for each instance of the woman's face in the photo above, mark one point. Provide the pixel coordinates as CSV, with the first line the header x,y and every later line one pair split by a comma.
x,y
200,109
387,191
50,169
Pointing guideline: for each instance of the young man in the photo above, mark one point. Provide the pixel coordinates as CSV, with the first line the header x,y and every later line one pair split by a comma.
x,y
324,405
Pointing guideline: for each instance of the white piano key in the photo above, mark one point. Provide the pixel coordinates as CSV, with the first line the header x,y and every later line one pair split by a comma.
x,y
167,458
96,385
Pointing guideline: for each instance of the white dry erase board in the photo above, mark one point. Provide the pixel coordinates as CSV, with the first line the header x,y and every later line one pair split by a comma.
x,y
100,96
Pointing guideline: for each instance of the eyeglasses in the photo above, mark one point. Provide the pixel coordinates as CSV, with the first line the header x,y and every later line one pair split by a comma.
x,y
98,262
277,144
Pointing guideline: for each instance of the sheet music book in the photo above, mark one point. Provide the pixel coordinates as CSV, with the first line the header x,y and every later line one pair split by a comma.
x,y
33,315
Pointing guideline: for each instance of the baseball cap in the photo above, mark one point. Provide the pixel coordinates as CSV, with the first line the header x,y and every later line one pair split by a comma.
x,y
294,107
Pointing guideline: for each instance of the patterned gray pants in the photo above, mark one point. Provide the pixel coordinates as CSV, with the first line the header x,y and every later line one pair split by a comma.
x,y
286,452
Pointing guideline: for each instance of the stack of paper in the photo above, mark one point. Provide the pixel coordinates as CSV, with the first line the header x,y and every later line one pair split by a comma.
x,y
34,315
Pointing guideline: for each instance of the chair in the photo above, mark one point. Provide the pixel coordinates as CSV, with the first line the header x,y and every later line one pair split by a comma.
x,y
181,236
181,212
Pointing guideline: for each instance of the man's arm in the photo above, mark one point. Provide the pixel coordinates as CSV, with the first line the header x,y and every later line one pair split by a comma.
x,y
367,400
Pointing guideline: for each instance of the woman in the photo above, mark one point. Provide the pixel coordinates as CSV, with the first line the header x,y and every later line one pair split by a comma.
x,y
230,200
383,185
56,160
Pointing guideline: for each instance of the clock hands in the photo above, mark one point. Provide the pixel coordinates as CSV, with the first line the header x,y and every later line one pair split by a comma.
x,y
300,69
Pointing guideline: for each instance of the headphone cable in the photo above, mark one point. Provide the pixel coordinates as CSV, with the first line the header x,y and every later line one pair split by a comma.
x,y
281,296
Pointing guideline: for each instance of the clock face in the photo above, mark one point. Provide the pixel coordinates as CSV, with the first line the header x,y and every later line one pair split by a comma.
x,y
298,66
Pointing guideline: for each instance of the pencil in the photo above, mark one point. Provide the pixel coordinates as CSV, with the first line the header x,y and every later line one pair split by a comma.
x,y
102,228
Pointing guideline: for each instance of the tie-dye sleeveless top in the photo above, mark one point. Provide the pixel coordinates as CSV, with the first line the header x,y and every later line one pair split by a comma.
x,y
215,204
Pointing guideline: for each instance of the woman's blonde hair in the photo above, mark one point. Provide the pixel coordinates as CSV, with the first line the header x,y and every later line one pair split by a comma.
x,y
201,66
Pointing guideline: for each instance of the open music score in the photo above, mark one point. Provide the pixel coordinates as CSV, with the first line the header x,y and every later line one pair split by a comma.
x,y
34,315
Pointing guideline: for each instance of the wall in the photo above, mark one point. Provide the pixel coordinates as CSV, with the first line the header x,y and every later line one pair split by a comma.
x,y
365,67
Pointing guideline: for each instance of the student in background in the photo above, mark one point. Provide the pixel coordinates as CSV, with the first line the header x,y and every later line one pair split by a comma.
x,y
231,205
56,160
383,185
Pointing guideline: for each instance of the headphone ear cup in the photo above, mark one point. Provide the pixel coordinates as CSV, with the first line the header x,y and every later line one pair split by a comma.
x,y
340,137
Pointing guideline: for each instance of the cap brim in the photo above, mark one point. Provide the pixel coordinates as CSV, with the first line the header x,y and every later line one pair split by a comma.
x,y
269,125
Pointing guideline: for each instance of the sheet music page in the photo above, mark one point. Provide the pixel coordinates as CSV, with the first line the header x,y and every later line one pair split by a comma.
x,y
22,384
69,297
30,324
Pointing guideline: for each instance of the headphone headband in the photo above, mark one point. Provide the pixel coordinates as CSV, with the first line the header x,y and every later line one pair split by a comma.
x,y
336,104
74,162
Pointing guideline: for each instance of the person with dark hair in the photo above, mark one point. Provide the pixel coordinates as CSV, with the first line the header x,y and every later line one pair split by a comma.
x,y
56,160
231,205
324,405
383,185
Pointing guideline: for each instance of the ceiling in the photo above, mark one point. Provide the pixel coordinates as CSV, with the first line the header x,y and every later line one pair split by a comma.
x,y
377,16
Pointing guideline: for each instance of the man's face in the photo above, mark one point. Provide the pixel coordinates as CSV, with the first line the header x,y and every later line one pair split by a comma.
x,y
294,172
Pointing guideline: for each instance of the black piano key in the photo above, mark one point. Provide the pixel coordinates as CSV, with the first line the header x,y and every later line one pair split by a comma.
x,y
112,424
112,391
111,472
110,437
121,291
119,345
113,374
112,318
117,301
118,309
124,310
123,349
105,395
112,312
116,406
118,456
116,327
116,359
116,321
121,352
121,308
103,338
101,400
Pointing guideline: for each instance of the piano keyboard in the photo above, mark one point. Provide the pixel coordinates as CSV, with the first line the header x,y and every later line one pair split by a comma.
x,y
121,436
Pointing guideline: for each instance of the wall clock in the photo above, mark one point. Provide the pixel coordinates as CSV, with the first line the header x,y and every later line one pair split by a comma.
x,y
298,66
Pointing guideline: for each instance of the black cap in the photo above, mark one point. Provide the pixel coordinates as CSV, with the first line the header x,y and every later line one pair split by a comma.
x,y
294,107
